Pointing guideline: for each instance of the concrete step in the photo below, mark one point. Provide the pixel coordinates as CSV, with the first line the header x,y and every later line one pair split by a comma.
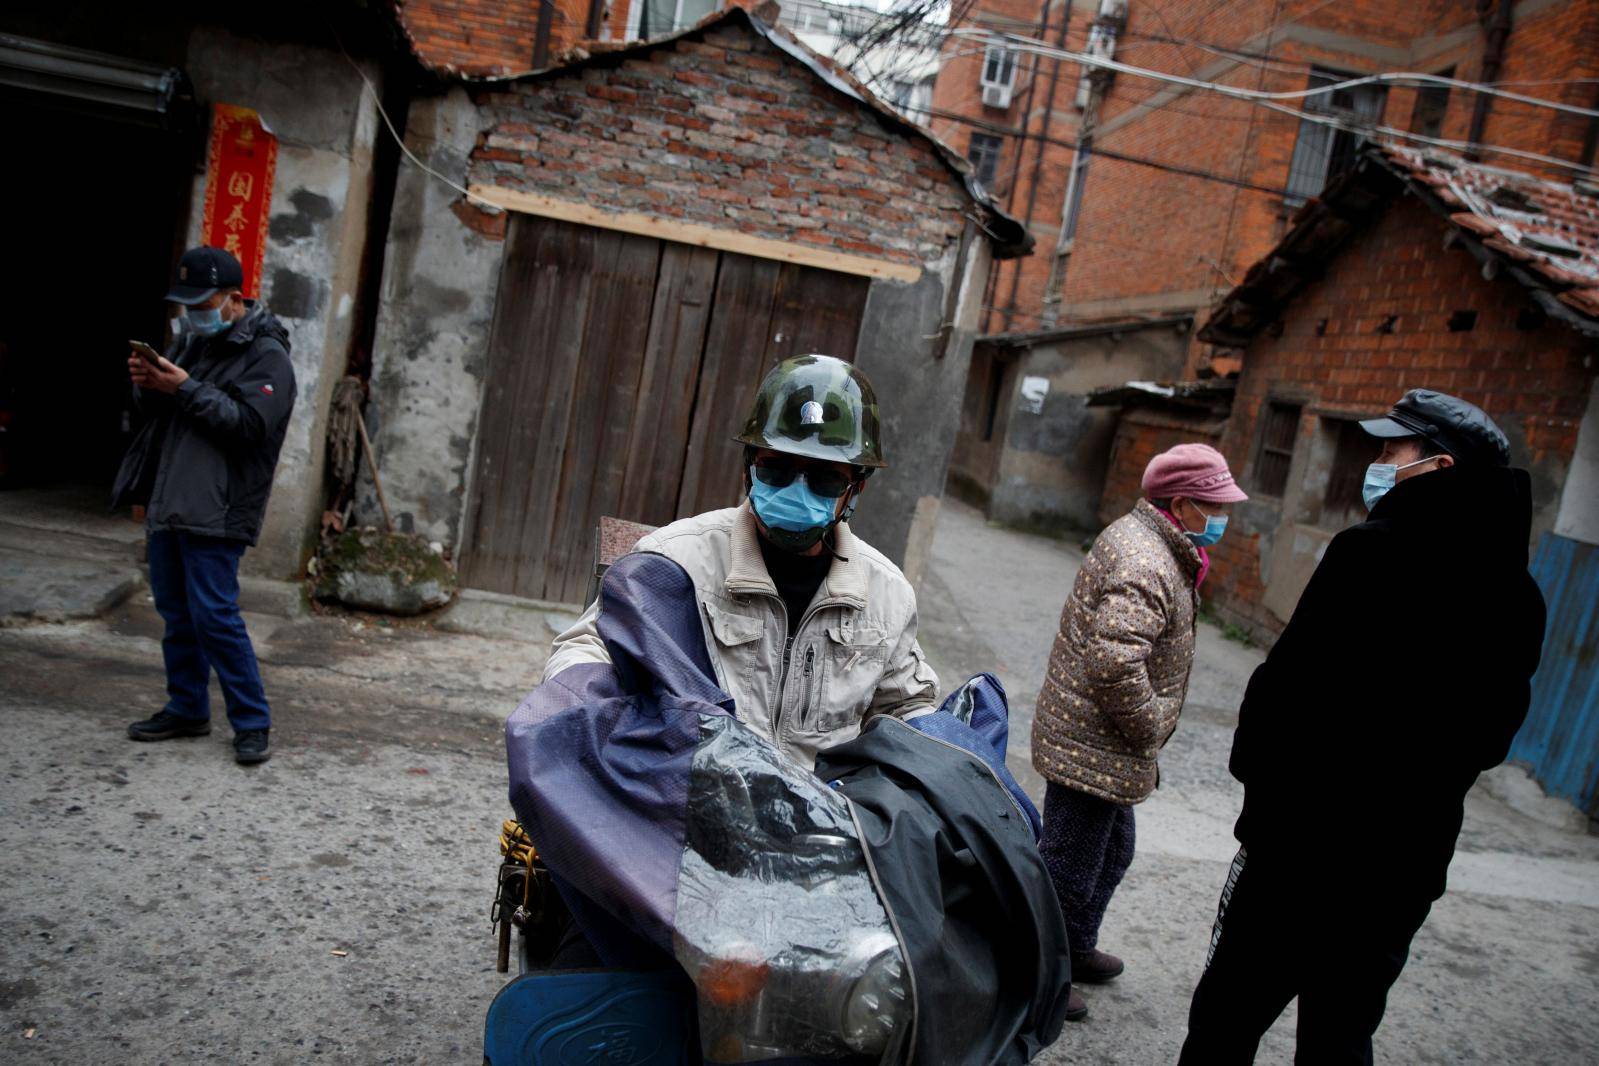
x,y
496,615
50,588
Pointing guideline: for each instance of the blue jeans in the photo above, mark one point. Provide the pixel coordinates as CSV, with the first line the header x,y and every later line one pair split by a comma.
x,y
196,584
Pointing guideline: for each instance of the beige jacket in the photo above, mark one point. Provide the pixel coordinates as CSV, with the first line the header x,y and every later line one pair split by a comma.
x,y
855,653
1118,673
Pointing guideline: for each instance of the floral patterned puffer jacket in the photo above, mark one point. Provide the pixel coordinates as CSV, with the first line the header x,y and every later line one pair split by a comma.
x,y
1119,669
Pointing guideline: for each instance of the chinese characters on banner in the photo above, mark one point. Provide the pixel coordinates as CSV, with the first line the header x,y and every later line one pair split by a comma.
x,y
238,189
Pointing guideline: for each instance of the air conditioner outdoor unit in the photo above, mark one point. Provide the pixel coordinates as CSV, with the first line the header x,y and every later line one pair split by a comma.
x,y
996,96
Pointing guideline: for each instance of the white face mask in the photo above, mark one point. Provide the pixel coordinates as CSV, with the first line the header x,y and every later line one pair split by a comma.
x,y
1380,477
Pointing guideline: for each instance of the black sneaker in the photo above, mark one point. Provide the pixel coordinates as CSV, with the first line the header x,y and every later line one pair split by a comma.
x,y
164,725
251,746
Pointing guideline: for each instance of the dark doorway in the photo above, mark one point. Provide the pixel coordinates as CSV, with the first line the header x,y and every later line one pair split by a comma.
x,y
92,208
620,368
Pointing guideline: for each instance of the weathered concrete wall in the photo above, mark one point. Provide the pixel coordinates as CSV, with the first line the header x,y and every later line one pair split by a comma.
x,y
316,105
440,279
1578,517
919,392
1051,473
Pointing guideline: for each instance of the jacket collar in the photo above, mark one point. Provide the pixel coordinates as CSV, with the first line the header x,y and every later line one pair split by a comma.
x,y
1183,549
1498,500
746,570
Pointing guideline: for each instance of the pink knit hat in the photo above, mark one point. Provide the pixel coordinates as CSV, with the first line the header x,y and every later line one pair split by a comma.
x,y
1196,471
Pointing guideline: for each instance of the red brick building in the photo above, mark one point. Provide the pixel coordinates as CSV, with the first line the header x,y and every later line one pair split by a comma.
x,y
501,37
1014,116
1411,271
1182,189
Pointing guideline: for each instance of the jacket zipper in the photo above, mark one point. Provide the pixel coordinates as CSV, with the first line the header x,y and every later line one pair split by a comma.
x,y
788,648
810,658
893,925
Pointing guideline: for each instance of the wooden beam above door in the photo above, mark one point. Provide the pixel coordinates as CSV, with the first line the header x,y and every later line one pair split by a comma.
x,y
668,229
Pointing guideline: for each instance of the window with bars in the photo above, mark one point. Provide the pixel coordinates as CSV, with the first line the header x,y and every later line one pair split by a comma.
x,y
656,17
1325,150
998,76
1279,428
983,151
1432,103
1353,450
999,67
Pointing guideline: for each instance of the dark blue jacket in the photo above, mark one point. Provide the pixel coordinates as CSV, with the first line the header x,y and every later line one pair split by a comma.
x,y
203,463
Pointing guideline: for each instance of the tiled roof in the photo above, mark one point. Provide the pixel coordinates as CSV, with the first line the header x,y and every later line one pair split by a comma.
x,y
1549,228
1544,234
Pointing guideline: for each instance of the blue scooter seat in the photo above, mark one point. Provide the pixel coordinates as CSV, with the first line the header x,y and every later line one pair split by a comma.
x,y
578,1017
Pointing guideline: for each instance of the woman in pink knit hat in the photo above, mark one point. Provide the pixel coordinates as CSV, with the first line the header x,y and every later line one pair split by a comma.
x,y
1117,678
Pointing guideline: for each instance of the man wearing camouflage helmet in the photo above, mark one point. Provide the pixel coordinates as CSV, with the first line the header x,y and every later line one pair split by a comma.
x,y
810,629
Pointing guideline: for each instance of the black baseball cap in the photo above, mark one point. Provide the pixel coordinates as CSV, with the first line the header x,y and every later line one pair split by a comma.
x,y
201,272
1462,429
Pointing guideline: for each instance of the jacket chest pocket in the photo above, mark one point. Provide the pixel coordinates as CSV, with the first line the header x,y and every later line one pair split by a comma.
x,y
736,649
853,659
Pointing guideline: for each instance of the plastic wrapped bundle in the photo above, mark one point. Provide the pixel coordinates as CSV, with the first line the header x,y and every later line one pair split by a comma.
x,y
890,907
646,795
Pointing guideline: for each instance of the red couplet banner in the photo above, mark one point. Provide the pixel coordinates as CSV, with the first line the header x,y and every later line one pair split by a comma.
x,y
240,166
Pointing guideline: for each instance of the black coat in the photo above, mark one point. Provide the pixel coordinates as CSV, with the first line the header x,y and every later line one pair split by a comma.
x,y
1403,674
203,462
973,903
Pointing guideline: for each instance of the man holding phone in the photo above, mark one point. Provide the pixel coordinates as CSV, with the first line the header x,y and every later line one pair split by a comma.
x,y
218,406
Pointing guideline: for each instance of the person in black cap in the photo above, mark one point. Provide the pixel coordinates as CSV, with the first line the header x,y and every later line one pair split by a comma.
x,y
1403,674
217,406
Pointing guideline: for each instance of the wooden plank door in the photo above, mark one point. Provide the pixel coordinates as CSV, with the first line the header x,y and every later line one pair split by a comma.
x,y
765,312
533,361
620,368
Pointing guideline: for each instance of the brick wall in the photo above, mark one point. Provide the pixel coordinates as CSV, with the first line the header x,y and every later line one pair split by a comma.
x,y
1376,325
493,36
1142,434
723,129
1151,240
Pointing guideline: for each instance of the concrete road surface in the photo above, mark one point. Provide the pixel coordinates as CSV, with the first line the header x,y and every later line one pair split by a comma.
x,y
160,904
1506,968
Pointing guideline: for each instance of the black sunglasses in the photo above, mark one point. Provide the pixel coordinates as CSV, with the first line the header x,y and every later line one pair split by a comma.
x,y
779,472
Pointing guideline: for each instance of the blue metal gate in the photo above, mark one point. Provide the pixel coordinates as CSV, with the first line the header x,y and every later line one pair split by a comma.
x,y
1560,740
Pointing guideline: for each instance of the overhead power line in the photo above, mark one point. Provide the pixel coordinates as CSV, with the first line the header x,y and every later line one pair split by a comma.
x,y
1409,78
1097,151
1271,99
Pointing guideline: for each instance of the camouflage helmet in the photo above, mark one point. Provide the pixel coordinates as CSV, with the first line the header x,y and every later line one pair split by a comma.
x,y
819,407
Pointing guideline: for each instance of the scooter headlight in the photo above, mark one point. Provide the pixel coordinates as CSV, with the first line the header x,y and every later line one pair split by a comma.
x,y
877,1004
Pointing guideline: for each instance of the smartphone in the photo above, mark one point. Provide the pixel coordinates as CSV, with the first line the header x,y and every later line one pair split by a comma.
x,y
147,353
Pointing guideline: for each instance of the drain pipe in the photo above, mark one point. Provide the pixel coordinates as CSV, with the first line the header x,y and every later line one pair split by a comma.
x,y
1038,159
1495,18
541,35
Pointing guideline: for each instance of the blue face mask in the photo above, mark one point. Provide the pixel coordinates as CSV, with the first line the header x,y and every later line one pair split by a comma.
x,y
1215,526
796,516
1380,477
206,321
